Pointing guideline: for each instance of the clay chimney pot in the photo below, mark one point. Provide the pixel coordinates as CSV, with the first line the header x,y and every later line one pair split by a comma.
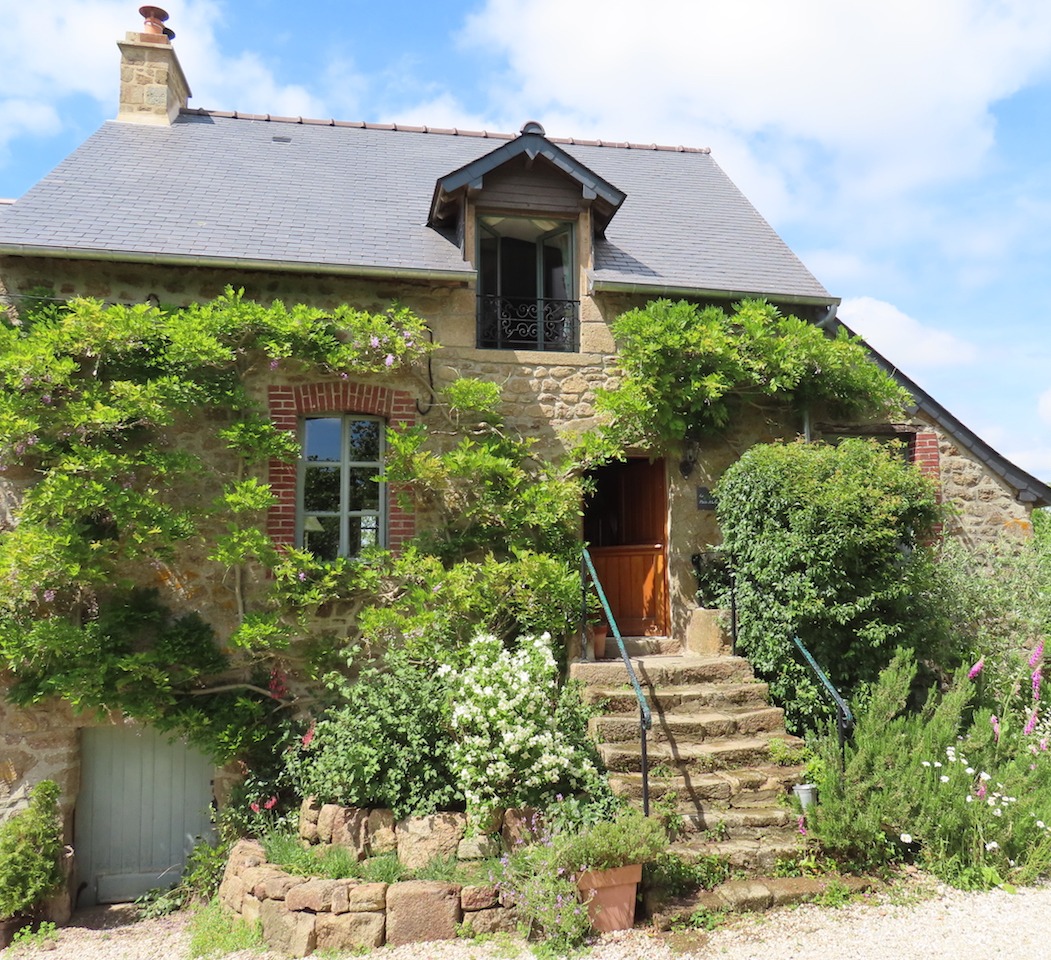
x,y
154,17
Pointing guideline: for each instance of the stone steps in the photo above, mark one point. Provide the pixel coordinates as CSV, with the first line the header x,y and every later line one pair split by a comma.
x,y
718,753
694,726
710,749
682,699
662,671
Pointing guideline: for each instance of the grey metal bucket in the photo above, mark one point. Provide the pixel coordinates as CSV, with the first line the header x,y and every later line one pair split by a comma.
x,y
807,794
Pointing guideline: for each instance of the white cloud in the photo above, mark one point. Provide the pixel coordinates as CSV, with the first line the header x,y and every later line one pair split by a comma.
x,y
52,51
902,339
1043,406
853,100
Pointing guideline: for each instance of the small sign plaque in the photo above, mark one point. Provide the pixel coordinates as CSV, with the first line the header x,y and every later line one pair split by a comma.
x,y
705,499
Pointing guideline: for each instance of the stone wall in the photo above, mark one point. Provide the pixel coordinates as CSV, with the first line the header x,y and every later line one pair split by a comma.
x,y
548,396
301,914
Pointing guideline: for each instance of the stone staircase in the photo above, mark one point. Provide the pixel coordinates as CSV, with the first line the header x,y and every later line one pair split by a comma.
x,y
710,746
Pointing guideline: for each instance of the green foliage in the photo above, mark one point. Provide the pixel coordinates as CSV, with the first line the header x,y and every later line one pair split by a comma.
x,y
998,598
385,745
948,785
198,884
214,932
672,875
686,370
628,838
30,844
43,936
539,878
93,399
828,543
385,868
490,491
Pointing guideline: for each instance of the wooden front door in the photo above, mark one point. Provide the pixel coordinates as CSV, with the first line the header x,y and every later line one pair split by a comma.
x,y
625,525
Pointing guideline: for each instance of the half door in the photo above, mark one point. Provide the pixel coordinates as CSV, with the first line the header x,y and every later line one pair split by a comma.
x,y
625,525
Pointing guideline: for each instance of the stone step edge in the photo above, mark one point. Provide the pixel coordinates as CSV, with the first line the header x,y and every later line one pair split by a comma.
x,y
753,895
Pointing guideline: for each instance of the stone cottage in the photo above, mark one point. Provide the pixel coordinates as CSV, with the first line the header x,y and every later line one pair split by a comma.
x,y
518,250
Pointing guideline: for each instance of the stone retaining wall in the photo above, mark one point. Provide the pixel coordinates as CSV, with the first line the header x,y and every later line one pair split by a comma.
x,y
300,914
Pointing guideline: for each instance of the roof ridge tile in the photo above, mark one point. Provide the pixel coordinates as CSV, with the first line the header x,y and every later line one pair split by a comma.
x,y
443,131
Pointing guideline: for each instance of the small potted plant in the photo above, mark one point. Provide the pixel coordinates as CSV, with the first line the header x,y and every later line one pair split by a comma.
x,y
607,859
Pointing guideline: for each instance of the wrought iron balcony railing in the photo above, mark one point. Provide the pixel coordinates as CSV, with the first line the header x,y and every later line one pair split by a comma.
x,y
528,323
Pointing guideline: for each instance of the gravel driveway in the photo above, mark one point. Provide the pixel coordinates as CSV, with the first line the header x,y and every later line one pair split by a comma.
x,y
948,926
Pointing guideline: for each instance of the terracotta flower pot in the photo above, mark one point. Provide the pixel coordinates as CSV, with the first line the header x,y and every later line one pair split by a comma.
x,y
599,632
610,896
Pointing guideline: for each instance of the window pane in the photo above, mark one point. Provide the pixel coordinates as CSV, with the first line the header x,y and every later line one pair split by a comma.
x,y
321,489
363,441
556,267
364,490
321,438
321,537
363,532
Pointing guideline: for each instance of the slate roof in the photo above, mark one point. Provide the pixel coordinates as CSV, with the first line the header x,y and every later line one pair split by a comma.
x,y
220,189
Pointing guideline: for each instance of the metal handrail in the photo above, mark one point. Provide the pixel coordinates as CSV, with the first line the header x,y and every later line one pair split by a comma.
x,y
645,715
844,718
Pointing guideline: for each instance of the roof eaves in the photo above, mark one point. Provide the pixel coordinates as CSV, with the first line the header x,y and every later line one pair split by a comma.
x,y
240,263
674,290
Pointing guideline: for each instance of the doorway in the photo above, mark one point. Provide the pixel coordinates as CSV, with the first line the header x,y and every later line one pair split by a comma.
x,y
143,803
625,526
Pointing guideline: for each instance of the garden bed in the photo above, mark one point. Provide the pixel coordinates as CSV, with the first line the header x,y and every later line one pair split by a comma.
x,y
301,914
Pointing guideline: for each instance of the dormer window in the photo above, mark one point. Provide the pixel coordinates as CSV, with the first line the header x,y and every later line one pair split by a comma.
x,y
526,284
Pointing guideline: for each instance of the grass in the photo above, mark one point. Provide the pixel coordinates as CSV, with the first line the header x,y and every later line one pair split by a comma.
x,y
215,933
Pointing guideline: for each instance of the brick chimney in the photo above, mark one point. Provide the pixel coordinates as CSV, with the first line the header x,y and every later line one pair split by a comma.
x,y
153,88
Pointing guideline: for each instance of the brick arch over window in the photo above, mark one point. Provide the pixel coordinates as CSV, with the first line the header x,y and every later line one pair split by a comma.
x,y
287,404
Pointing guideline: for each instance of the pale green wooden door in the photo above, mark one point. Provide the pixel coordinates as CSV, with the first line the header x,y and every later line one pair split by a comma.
x,y
143,803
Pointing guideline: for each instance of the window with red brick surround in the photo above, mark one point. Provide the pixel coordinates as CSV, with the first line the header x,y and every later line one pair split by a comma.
x,y
289,403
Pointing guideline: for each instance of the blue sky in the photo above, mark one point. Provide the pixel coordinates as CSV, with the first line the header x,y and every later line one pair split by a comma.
x,y
902,149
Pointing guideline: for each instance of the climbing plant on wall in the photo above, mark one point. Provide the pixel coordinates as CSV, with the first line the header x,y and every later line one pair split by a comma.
x,y
686,371
133,449
97,406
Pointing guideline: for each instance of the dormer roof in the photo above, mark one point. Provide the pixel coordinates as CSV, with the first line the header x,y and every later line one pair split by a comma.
x,y
532,143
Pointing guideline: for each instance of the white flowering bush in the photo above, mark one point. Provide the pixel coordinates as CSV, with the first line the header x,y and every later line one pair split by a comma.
x,y
511,742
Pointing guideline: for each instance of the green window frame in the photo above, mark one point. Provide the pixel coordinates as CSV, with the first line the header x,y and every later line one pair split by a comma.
x,y
341,502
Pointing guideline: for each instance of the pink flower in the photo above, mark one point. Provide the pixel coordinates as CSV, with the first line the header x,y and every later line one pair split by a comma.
x,y
1031,725
996,726
271,803
976,669
254,807
1036,683
980,792
308,736
801,824
1037,655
